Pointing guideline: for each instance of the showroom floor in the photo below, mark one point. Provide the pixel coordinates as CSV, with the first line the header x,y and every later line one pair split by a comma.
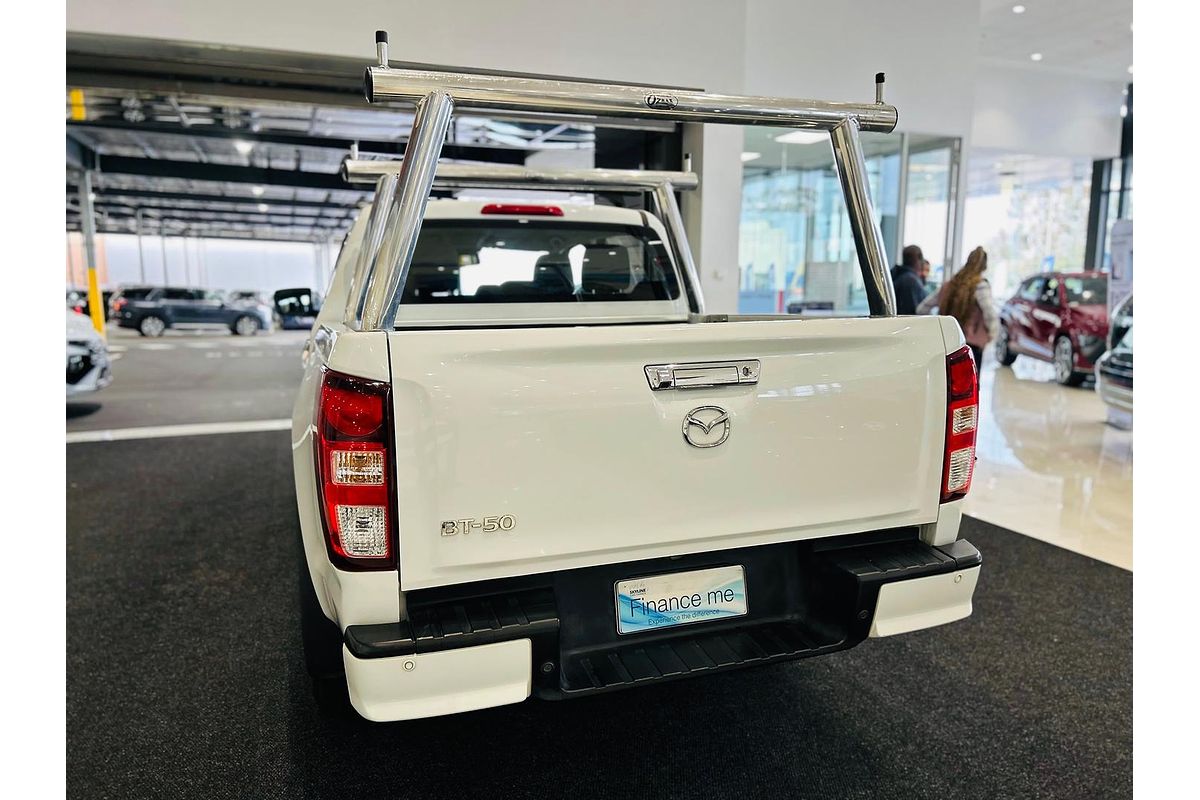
x,y
185,676
1050,466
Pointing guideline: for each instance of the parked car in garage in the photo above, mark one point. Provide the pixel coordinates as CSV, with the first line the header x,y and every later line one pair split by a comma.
x,y
77,300
1060,317
153,310
1114,369
88,365
586,475
296,308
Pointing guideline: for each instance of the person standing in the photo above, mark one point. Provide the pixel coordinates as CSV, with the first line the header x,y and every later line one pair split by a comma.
x,y
906,279
968,298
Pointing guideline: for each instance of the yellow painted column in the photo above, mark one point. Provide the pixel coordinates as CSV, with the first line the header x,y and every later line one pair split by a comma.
x,y
78,105
87,213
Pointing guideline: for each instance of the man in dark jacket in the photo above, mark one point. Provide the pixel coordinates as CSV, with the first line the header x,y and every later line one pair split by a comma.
x,y
910,289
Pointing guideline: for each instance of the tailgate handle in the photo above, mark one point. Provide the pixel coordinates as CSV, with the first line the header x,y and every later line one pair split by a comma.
x,y
702,375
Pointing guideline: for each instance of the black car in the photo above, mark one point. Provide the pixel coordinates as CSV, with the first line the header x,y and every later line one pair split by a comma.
x,y
152,309
297,308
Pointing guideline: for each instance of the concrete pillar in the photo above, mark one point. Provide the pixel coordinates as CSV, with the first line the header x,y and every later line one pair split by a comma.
x,y
141,254
162,240
87,213
954,236
712,213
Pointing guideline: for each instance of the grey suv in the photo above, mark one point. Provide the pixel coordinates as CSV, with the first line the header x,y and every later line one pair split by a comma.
x,y
152,309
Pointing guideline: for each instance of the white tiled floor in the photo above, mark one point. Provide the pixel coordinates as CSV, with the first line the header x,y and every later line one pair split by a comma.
x,y
1050,466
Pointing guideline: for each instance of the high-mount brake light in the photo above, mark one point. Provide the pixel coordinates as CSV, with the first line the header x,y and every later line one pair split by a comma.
x,y
962,422
352,445
522,210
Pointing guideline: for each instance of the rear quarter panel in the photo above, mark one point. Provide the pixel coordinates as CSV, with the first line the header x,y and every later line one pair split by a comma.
x,y
348,598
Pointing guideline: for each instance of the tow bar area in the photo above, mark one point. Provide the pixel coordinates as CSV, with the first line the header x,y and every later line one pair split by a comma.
x,y
805,599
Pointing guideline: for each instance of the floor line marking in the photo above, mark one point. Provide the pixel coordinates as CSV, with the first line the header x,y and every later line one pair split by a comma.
x,y
164,431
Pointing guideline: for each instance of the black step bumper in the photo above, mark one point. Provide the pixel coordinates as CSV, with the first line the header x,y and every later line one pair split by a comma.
x,y
805,599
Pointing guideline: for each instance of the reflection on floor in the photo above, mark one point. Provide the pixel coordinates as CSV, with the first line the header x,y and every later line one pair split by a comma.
x,y
1049,466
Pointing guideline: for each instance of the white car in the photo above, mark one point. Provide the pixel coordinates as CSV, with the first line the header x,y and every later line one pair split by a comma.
x,y
528,463
1114,369
88,365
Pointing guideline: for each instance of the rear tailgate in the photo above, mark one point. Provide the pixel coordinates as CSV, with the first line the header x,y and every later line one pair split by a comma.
x,y
555,434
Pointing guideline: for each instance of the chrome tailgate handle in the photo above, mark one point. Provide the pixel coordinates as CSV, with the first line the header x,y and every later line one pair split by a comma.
x,y
703,375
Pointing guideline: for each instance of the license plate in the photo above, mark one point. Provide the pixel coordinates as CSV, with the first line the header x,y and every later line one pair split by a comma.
x,y
680,598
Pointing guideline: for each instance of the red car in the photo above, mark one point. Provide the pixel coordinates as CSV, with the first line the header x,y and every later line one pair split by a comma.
x,y
1060,317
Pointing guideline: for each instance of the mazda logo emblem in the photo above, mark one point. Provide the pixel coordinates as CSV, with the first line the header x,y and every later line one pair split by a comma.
x,y
706,426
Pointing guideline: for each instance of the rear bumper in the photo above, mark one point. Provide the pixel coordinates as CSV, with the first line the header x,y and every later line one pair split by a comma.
x,y
555,636
910,605
433,684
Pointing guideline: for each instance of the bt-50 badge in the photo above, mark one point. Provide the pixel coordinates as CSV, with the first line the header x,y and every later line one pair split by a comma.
x,y
453,527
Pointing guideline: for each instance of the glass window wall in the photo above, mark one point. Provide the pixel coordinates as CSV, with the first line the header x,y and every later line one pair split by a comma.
x,y
928,222
796,249
1029,212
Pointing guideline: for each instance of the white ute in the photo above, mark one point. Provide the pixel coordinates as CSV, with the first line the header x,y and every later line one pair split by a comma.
x,y
527,462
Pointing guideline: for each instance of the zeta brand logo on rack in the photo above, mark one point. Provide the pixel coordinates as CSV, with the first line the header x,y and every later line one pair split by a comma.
x,y
663,101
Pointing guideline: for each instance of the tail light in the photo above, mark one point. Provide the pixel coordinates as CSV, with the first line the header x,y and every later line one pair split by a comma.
x,y
962,422
522,209
119,303
353,465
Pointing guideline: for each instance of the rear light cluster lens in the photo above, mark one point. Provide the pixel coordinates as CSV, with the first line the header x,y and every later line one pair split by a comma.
x,y
964,419
358,467
962,423
352,455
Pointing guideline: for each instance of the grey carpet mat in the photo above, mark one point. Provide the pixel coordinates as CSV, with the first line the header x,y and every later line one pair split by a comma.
x,y
185,677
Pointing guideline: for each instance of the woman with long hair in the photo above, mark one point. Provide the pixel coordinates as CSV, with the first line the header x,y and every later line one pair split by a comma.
x,y
968,298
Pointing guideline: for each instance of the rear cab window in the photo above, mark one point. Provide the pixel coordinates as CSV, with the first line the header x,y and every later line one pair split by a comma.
x,y
587,264
515,261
